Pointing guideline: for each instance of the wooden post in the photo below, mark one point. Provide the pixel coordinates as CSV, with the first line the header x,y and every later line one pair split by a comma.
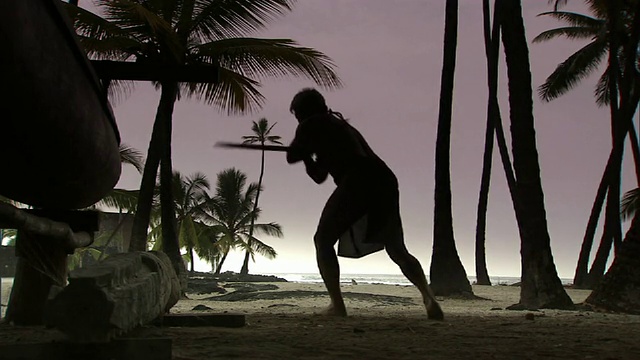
x,y
41,264
45,238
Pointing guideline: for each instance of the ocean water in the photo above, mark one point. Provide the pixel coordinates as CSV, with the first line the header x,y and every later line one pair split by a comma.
x,y
388,279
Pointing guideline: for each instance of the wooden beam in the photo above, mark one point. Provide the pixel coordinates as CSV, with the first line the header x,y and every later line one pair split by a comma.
x,y
36,222
127,70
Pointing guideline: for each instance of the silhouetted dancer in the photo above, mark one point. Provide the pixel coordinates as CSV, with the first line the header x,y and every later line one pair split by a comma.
x,y
363,212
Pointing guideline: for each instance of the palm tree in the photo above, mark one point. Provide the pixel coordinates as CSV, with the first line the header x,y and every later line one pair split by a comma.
x,y
194,32
598,30
261,135
541,286
191,197
621,284
447,273
587,59
230,212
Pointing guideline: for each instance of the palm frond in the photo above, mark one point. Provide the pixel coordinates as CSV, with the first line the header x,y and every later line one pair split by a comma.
x,y
131,156
270,229
119,90
101,38
235,93
568,32
575,19
262,58
578,66
602,89
630,203
148,26
215,20
263,249
121,199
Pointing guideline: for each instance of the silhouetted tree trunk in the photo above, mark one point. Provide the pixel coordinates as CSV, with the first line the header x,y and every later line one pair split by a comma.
x,y
170,243
619,288
138,241
580,279
541,286
612,233
219,267
448,276
492,45
247,255
635,150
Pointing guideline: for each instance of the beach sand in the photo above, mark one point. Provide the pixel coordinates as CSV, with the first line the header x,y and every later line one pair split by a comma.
x,y
388,322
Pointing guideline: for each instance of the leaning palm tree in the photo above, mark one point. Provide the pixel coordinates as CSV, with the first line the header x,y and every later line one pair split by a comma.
x,y
261,135
195,32
603,34
621,284
230,211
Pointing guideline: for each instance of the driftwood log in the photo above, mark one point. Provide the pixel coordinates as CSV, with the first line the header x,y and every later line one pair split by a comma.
x,y
115,296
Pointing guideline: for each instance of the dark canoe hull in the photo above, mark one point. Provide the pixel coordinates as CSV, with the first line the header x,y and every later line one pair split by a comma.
x,y
58,138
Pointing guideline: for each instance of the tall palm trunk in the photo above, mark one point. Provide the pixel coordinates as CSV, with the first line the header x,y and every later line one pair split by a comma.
x,y
541,286
448,276
635,150
580,279
142,216
491,44
612,233
191,256
170,243
619,288
219,267
247,255
620,285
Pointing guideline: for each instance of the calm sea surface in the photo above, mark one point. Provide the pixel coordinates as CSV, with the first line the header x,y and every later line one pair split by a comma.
x,y
390,279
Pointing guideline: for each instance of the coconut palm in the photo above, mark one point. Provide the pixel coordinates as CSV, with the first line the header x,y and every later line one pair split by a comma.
x,y
598,29
191,197
620,285
194,32
261,135
541,286
587,59
230,211
447,274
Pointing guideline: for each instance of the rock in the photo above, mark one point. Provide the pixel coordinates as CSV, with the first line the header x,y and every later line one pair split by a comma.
x,y
204,286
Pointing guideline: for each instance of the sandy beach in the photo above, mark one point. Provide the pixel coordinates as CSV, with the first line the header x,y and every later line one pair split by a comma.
x,y
387,322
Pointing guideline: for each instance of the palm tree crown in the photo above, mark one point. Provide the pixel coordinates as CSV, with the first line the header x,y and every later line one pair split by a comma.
x,y
584,61
231,211
203,32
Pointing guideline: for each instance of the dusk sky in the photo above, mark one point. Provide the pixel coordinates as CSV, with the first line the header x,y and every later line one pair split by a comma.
x,y
389,55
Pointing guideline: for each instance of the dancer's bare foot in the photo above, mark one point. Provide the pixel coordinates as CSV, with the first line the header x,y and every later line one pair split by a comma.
x,y
334,311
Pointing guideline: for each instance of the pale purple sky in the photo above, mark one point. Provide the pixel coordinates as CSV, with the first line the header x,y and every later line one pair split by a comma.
x,y
389,55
